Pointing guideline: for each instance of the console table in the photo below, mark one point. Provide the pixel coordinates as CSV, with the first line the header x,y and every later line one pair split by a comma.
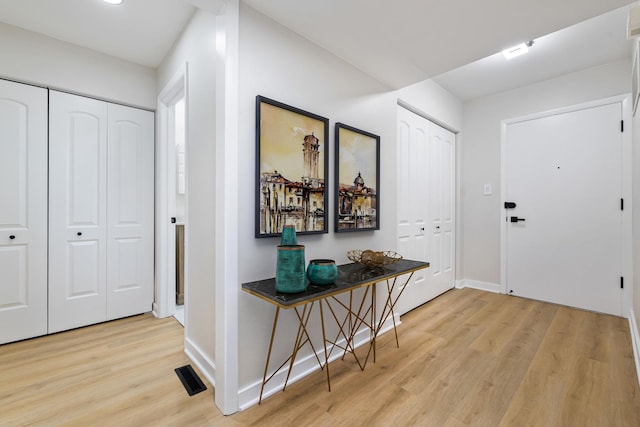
x,y
358,313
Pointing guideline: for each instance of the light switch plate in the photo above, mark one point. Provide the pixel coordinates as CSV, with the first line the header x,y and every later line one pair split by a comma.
x,y
488,190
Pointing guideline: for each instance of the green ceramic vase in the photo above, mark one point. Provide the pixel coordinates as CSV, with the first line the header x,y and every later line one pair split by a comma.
x,y
290,273
322,271
289,235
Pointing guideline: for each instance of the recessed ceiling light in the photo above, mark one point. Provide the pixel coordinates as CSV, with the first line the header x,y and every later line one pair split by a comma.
x,y
518,50
114,1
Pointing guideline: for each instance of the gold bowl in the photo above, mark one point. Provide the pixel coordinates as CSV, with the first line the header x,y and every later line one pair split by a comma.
x,y
373,258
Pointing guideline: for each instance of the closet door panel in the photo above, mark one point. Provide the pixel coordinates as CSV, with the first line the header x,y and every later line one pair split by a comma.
x,y
83,267
130,248
77,211
23,211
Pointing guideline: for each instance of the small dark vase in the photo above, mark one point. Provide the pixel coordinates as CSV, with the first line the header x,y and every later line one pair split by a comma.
x,y
322,271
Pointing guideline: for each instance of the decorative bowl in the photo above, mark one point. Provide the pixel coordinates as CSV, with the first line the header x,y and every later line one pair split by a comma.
x,y
373,258
322,271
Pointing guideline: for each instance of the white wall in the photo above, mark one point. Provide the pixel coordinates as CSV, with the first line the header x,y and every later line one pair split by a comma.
x,y
33,58
636,222
435,102
277,63
481,153
196,46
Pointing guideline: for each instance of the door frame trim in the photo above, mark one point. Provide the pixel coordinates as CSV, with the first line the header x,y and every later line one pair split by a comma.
x,y
627,165
164,304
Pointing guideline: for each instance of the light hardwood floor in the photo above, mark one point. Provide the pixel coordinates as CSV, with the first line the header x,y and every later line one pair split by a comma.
x,y
468,358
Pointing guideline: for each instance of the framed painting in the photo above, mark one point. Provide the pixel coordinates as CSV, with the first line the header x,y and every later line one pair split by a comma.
x,y
357,162
291,169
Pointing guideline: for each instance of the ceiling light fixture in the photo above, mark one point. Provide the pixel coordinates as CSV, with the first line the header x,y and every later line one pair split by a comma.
x,y
114,1
518,50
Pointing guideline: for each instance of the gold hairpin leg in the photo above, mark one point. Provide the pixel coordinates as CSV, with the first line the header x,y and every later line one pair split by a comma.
x,y
302,338
324,343
390,304
266,365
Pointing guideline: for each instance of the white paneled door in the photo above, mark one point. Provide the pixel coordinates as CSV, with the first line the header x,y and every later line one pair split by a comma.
x,y
23,211
101,211
426,206
442,209
130,211
77,211
564,234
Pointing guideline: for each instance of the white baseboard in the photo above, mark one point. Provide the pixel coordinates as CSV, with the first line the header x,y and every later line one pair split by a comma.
x,y
635,341
154,310
204,364
250,395
475,284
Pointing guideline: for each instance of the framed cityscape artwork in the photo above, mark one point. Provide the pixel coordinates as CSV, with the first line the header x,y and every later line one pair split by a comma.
x,y
357,160
291,169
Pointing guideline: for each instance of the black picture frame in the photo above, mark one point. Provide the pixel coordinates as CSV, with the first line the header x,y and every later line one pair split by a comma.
x,y
357,179
292,169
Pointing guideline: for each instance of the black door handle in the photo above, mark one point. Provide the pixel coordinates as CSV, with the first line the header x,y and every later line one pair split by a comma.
x,y
12,237
516,219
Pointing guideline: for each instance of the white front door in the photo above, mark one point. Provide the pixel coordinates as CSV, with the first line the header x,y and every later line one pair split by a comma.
x,y
425,200
130,211
23,211
563,172
77,211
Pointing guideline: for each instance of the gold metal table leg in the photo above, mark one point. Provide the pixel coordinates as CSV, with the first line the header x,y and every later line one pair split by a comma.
x,y
374,332
302,338
390,304
324,343
266,365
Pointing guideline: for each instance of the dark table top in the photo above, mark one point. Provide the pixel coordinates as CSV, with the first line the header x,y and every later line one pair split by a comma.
x,y
350,276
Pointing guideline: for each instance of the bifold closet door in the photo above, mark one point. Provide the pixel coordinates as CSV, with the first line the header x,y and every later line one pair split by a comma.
x,y
77,211
23,211
130,215
426,206
101,192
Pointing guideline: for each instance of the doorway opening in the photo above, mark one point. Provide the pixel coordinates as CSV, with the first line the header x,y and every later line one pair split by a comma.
x,y
180,206
172,229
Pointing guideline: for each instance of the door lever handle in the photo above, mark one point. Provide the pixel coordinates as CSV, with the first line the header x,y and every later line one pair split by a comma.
x,y
516,219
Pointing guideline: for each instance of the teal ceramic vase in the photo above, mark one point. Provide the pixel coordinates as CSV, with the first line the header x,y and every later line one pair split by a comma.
x,y
322,271
290,274
289,235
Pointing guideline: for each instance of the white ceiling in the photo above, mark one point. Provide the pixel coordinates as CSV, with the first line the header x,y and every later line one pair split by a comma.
x,y
140,31
398,43
406,41
594,42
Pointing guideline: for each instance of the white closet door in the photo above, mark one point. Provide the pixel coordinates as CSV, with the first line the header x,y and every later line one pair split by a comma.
x,y
442,209
414,134
77,211
130,217
426,206
23,211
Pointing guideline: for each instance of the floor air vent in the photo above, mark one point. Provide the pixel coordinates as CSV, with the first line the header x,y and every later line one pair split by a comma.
x,y
190,380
